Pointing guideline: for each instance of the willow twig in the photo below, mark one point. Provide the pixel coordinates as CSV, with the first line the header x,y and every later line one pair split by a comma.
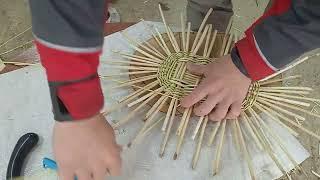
x,y
213,40
195,42
168,131
214,133
178,148
198,149
246,153
196,130
216,162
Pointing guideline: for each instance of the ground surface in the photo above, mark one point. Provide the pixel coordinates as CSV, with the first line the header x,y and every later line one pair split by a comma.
x,y
15,18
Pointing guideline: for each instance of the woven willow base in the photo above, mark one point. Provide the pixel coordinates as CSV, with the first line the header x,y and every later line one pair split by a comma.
x,y
160,78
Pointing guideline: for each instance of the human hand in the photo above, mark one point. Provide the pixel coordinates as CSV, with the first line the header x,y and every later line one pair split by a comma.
x,y
223,86
86,149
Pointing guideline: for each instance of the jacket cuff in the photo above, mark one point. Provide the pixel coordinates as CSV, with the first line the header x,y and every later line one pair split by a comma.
x,y
73,82
255,65
238,62
76,101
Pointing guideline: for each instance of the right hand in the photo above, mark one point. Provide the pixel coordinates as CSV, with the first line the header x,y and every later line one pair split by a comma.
x,y
86,149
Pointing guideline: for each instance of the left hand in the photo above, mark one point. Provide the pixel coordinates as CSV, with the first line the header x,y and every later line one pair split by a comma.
x,y
223,86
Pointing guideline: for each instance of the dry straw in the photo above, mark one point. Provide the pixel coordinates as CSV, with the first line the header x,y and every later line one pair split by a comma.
x,y
159,76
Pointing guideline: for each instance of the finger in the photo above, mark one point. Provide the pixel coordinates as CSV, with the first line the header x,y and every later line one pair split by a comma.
x,y
196,95
99,173
220,111
207,106
99,169
65,174
196,69
83,175
114,167
234,111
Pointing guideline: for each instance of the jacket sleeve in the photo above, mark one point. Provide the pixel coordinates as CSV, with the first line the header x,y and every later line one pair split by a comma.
x,y
287,30
69,38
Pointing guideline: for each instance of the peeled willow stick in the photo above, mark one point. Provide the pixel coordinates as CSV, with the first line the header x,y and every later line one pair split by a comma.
x,y
183,32
197,152
140,91
216,162
162,40
279,141
273,117
126,73
142,134
262,133
18,47
206,46
167,51
284,91
279,80
292,97
132,113
225,38
214,36
155,105
175,43
152,116
289,88
133,63
284,100
290,66
195,132
198,45
246,123
134,81
20,63
267,147
141,45
235,135
135,68
278,108
293,123
245,151
214,133
195,42
144,52
178,149
134,57
183,120
297,108
145,97
169,32
168,131
126,100
14,37
169,111
227,49
188,37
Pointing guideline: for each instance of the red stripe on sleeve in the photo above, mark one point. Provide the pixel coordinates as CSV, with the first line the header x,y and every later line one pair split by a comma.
x,y
67,66
251,59
82,99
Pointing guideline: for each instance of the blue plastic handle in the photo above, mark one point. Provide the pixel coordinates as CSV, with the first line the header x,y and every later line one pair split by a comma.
x,y
51,164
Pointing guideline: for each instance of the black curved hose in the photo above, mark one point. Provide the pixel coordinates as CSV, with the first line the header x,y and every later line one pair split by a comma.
x,y
23,147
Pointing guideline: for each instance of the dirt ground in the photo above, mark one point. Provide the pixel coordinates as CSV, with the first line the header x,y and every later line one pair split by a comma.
x,y
15,18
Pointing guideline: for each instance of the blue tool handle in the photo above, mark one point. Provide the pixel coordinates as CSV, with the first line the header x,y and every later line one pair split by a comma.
x,y
51,164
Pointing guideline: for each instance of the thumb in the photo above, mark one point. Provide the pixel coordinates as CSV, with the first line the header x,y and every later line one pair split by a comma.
x,y
196,69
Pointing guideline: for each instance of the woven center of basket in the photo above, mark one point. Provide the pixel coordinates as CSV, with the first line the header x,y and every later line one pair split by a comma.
x,y
251,97
173,74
